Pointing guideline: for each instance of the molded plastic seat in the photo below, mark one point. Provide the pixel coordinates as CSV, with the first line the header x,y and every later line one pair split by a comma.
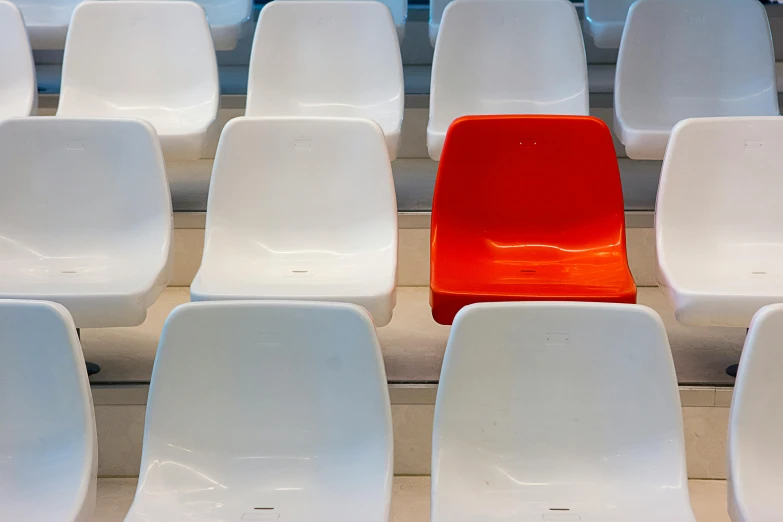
x,y
506,57
47,21
301,209
267,411
604,21
545,221
18,88
226,18
399,11
717,219
306,62
85,217
48,447
121,60
436,15
690,59
755,457
558,411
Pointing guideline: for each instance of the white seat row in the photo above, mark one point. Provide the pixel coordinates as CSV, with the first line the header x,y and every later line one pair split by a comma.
x,y
120,61
280,410
678,59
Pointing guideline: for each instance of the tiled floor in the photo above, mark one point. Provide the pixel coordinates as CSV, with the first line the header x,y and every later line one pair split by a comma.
x,y
413,344
410,500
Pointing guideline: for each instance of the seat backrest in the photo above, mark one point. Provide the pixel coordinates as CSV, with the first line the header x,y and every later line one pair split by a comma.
x,y
718,188
508,57
555,406
695,58
756,422
81,184
306,62
48,424
399,10
138,54
605,20
535,180
18,88
285,400
298,183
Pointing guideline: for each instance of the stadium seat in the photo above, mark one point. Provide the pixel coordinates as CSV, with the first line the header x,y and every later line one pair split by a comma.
x,y
755,459
436,15
717,219
85,217
47,21
604,21
301,209
690,59
18,88
306,62
267,411
545,221
121,60
506,57
558,412
399,11
226,18
48,469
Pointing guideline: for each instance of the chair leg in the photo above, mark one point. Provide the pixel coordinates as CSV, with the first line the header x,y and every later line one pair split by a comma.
x,y
92,368
732,370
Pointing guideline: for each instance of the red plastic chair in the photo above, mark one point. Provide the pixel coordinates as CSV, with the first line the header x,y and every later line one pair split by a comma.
x,y
527,208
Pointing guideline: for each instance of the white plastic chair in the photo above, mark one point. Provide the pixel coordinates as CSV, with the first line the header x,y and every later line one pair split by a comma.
x,y
558,412
47,21
306,62
506,57
399,11
48,447
690,59
301,209
755,457
717,219
267,411
226,18
122,60
18,88
604,21
85,217
436,15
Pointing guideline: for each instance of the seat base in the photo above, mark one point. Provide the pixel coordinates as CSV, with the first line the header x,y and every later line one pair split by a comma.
x,y
715,309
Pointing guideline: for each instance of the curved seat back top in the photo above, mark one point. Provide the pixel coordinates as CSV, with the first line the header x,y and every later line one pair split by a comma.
x,y
306,62
85,217
558,411
604,21
18,88
267,411
301,209
399,11
717,219
547,220
121,60
48,447
506,57
690,59
755,456
226,18
47,21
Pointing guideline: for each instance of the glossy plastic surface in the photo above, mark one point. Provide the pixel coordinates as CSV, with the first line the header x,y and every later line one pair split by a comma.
x,y
717,219
301,209
558,412
546,219
48,447
47,21
604,21
690,59
226,18
506,57
399,11
755,458
18,88
85,217
267,411
122,60
306,62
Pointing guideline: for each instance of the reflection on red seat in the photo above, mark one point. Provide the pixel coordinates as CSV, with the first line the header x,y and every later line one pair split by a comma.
x,y
527,208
